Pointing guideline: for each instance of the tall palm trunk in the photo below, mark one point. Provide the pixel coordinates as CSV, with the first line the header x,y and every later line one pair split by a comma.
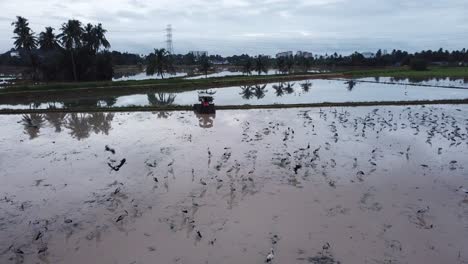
x,y
73,65
33,65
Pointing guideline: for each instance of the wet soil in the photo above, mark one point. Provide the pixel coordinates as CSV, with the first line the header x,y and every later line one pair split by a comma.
x,y
318,185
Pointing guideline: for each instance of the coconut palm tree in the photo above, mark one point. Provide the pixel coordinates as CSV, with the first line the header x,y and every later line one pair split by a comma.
x,y
89,38
48,40
159,63
205,65
260,65
289,65
281,64
71,38
94,38
25,39
101,40
247,67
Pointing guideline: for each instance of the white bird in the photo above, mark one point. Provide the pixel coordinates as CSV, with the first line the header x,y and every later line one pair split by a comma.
x,y
270,256
463,190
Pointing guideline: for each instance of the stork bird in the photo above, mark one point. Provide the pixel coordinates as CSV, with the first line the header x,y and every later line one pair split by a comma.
x,y
270,256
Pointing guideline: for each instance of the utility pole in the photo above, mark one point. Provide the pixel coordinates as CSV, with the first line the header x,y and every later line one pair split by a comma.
x,y
170,47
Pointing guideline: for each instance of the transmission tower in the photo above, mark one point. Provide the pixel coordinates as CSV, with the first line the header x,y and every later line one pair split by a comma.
x,y
170,47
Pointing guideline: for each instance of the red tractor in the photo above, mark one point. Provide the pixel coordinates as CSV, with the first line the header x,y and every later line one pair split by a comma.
x,y
206,105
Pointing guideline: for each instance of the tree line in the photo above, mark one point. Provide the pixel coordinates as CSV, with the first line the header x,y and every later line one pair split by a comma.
x,y
77,53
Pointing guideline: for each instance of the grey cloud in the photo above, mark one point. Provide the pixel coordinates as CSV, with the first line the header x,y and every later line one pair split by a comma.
x,y
261,26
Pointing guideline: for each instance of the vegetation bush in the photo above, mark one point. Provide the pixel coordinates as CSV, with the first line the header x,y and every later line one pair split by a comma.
x,y
418,64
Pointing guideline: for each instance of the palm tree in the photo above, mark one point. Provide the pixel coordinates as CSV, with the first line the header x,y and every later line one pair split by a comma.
x,y
47,39
247,67
281,65
101,40
260,65
94,37
25,39
159,62
71,38
289,64
89,38
205,65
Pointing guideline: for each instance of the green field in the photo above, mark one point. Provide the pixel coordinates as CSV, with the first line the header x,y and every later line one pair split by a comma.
x,y
180,84
403,72
174,84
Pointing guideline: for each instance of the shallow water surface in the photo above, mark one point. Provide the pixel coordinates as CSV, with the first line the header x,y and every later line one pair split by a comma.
x,y
349,185
300,92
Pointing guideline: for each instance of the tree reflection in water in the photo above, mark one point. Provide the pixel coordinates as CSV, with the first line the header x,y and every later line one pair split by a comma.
x,y
289,89
78,126
259,91
57,120
351,84
159,99
247,92
306,86
278,89
162,114
32,123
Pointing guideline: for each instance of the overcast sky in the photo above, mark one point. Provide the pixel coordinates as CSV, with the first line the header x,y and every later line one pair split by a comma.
x,y
256,26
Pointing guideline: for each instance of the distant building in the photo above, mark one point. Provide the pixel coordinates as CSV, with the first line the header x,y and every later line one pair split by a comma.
x,y
284,54
368,55
198,53
14,54
304,54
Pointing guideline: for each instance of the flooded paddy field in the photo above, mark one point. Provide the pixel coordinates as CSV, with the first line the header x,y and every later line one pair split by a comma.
x,y
447,82
300,92
331,185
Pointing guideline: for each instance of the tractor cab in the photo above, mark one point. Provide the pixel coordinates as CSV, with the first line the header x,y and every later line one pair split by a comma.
x,y
206,105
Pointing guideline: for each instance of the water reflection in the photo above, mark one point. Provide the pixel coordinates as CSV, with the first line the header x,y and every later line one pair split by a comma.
x,y
159,99
278,89
205,120
351,84
306,86
289,89
247,92
32,123
80,125
57,120
259,91
163,114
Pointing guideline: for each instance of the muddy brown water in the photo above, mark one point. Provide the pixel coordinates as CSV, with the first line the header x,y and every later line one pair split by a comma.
x,y
331,185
